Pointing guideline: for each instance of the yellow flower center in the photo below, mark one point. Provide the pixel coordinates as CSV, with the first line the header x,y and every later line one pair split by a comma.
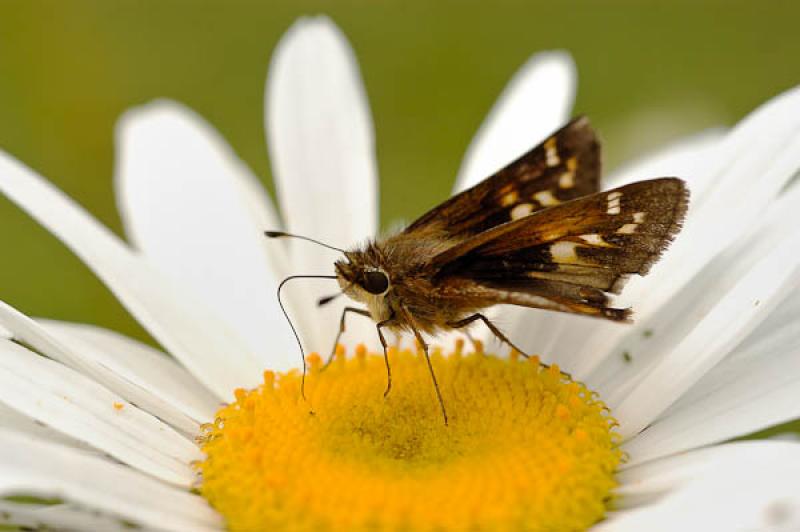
x,y
525,449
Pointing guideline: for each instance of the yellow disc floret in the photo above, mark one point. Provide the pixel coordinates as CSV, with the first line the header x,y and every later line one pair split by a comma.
x,y
525,448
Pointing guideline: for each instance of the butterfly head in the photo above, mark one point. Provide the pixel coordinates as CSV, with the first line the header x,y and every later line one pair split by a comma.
x,y
360,276
359,280
364,282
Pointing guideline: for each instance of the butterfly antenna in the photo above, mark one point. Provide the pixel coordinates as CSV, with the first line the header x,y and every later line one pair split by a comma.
x,y
281,234
327,299
294,331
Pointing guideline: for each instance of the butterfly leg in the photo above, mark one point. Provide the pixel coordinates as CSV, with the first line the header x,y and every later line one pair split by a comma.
x,y
378,326
492,327
342,328
430,369
498,333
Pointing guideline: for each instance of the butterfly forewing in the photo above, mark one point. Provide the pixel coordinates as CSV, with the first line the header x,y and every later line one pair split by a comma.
x,y
564,167
569,255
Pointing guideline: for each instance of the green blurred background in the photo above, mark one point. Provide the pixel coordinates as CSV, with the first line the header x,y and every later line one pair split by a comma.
x,y
649,71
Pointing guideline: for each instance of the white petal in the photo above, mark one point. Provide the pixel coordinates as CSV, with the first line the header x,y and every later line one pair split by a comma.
x,y
216,356
57,517
656,478
719,330
13,420
690,158
743,395
768,342
787,313
36,468
554,336
320,134
323,159
196,212
615,376
749,493
675,320
766,144
536,102
141,366
93,361
82,409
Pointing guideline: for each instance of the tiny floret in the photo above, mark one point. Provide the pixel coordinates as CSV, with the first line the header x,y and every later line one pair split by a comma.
x,y
525,448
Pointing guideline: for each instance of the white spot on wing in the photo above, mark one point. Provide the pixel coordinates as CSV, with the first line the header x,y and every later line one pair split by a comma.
x,y
627,229
564,251
567,180
613,203
545,198
523,209
509,199
595,240
551,152
638,217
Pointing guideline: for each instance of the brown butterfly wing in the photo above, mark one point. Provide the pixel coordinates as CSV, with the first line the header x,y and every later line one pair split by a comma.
x,y
564,167
568,256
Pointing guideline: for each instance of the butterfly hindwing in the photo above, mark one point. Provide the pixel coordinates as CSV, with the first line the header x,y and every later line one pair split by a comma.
x,y
564,167
567,257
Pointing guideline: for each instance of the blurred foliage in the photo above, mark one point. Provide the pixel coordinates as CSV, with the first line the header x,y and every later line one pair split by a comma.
x,y
649,71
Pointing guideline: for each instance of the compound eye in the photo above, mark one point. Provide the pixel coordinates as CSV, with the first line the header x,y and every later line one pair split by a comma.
x,y
375,282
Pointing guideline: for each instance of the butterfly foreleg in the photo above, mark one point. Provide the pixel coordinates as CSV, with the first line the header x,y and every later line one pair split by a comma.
x,y
342,328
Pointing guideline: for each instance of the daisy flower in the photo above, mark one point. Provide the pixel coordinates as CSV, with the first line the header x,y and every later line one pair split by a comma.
x,y
105,432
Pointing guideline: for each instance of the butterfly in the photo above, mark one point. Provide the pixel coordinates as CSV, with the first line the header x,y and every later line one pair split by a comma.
x,y
538,233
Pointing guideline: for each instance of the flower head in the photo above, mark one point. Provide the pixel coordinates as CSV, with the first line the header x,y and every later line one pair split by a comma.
x,y
712,355
540,451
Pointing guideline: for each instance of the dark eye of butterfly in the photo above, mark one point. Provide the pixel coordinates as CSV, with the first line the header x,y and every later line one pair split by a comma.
x,y
375,282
